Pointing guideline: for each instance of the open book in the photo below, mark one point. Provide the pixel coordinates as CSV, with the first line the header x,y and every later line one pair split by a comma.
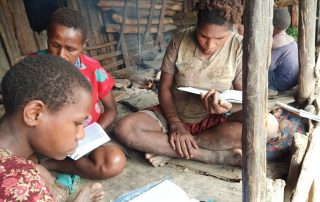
x,y
233,96
165,191
299,112
94,136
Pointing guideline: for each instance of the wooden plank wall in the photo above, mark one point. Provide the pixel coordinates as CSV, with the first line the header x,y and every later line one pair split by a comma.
x,y
18,39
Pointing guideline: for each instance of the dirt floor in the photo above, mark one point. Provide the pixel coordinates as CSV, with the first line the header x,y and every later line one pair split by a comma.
x,y
201,181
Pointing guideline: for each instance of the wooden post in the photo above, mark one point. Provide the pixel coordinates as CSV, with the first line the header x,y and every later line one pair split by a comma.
x,y
306,42
256,58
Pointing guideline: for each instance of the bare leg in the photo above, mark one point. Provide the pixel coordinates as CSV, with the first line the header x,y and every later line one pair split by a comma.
x,y
140,131
104,162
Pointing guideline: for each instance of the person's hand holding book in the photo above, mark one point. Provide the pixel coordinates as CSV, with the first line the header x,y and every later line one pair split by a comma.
x,y
214,104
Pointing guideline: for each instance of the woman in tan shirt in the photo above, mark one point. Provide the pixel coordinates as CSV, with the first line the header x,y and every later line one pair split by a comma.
x,y
186,125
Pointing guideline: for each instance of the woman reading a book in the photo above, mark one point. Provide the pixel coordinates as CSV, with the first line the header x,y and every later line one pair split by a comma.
x,y
186,125
67,36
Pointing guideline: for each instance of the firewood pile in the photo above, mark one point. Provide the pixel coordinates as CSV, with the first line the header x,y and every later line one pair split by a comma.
x,y
143,16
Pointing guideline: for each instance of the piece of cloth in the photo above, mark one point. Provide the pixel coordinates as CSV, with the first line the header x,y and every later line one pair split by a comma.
x,y
20,180
289,124
220,72
193,128
100,81
69,181
284,66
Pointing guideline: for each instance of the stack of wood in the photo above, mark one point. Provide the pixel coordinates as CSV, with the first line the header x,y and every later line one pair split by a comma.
x,y
148,16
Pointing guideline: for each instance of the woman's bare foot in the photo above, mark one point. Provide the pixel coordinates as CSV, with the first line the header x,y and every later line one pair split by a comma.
x,y
228,157
157,160
90,193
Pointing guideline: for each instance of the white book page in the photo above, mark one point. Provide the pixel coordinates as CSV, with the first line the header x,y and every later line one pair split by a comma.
x,y
166,191
94,137
193,90
233,96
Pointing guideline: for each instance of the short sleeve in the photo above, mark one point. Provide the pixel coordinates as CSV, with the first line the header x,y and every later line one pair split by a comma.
x,y
170,57
105,82
238,75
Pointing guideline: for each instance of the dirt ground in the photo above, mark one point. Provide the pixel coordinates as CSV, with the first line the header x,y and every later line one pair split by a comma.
x,y
201,181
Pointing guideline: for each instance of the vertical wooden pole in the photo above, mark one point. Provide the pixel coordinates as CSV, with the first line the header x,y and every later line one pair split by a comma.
x,y
306,43
256,58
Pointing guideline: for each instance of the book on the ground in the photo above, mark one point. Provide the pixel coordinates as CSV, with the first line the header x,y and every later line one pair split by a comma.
x,y
299,112
165,191
233,96
94,136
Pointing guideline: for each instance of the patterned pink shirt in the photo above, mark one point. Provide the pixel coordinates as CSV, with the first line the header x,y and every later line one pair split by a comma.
x,y
20,180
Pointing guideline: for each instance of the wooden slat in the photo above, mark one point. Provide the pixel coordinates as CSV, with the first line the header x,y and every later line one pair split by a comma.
x,y
23,30
159,36
7,33
143,21
123,23
111,4
306,43
256,57
113,65
107,55
146,34
101,46
111,28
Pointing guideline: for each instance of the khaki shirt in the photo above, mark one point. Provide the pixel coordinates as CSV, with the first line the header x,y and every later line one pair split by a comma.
x,y
220,72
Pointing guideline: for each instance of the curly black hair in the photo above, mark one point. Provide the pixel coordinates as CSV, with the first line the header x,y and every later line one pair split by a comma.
x,y
68,18
219,12
281,19
48,78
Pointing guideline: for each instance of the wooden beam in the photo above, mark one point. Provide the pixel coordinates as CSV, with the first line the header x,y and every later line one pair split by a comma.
x,y
110,4
143,21
141,29
299,146
256,58
7,33
310,168
159,37
148,25
306,43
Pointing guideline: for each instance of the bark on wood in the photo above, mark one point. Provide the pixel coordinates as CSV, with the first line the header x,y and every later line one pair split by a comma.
x,y
110,4
23,30
143,21
134,29
299,146
310,168
256,56
307,21
7,32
